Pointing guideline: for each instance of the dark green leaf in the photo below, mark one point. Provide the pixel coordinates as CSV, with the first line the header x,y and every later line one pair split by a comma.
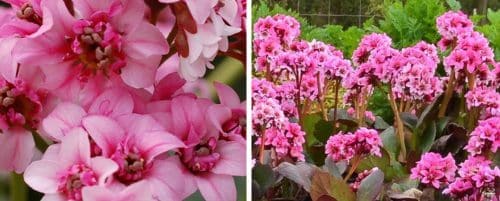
x,y
392,169
263,176
323,130
428,137
309,125
390,142
409,119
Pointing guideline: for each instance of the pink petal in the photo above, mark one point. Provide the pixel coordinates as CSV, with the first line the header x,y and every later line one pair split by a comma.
x,y
167,174
75,147
113,102
130,17
156,143
64,117
216,187
140,73
233,158
17,27
168,86
134,192
200,10
42,176
85,8
218,115
227,95
104,168
145,41
106,132
18,149
229,10
139,124
9,67
53,197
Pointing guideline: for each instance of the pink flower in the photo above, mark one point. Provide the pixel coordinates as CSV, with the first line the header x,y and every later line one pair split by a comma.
x,y
434,170
484,98
361,143
134,142
228,117
452,24
113,102
107,40
209,160
287,141
67,168
475,178
21,104
24,20
485,137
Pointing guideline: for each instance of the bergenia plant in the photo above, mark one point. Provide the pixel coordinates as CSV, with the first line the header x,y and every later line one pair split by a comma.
x,y
97,103
440,142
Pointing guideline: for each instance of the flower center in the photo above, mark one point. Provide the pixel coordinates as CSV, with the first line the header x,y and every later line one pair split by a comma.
x,y
96,47
132,164
18,105
235,125
202,157
74,179
28,13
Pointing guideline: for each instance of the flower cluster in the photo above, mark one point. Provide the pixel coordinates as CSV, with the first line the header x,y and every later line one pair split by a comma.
x,y
346,146
286,141
485,137
435,170
415,69
484,98
452,24
100,85
476,180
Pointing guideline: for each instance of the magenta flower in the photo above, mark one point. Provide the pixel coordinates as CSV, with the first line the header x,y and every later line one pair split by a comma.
x,y
106,39
485,137
66,116
434,170
452,24
21,104
229,116
134,142
476,176
287,141
67,168
209,161
361,143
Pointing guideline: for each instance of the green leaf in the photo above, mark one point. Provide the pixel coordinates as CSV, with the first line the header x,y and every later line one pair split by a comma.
x,y
409,119
392,169
390,142
371,186
323,130
454,5
428,137
309,125
380,124
263,177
